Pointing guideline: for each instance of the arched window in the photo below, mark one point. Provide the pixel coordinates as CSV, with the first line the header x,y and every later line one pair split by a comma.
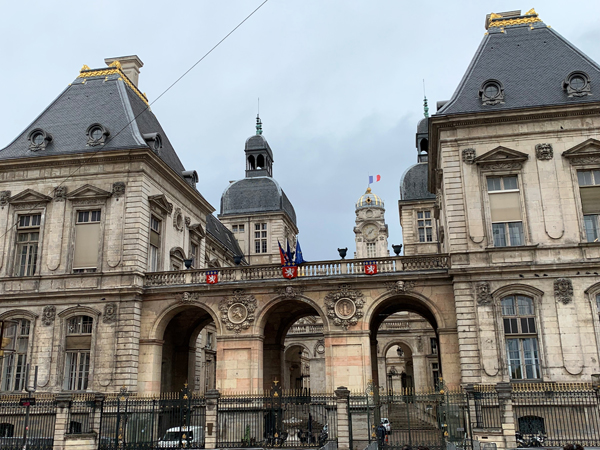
x,y
251,165
15,364
260,162
520,331
77,353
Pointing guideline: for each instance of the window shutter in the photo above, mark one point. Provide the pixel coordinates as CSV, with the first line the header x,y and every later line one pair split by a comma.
x,y
590,199
505,207
78,342
87,237
154,238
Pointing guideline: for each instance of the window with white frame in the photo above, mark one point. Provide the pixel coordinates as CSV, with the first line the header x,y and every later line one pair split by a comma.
x,y
589,191
520,332
14,364
154,254
28,237
260,238
194,254
78,344
87,241
505,211
424,226
371,250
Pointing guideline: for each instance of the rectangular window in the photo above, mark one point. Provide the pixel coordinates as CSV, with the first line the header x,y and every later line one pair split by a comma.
x,y
241,228
28,236
260,238
77,355
154,256
194,252
424,226
234,228
237,228
589,191
522,351
434,346
371,250
14,370
435,369
87,240
523,358
505,211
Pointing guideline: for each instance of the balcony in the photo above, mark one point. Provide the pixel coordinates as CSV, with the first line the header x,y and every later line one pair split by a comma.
x,y
311,270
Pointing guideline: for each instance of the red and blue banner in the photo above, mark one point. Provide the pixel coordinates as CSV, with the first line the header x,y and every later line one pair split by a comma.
x,y
212,277
289,271
370,267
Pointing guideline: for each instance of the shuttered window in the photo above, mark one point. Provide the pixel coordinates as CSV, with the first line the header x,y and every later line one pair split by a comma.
x,y
87,240
505,211
589,191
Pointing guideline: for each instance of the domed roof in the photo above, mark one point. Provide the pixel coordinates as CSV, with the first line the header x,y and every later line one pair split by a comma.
x,y
422,126
258,142
255,195
413,185
369,200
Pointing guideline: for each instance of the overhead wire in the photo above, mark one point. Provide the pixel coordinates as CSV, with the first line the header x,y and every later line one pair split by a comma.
x,y
111,137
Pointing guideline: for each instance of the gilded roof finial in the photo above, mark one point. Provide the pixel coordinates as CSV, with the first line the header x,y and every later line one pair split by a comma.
x,y
85,67
258,125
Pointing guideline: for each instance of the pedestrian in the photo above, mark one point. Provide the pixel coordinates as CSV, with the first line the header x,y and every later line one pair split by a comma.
x,y
381,432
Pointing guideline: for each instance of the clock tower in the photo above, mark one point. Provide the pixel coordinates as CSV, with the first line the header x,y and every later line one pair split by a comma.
x,y
371,231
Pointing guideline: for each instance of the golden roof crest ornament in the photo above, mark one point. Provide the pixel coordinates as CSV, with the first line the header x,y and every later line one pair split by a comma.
x,y
497,20
85,67
114,68
116,64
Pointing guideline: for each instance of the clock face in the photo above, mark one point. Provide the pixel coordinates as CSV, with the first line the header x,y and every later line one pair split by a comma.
x,y
370,231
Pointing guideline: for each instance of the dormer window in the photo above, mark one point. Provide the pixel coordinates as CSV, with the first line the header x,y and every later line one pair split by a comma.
x,y
96,134
154,141
577,84
38,139
491,93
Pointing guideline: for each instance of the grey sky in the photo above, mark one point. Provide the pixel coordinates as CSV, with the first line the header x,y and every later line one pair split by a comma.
x,y
339,81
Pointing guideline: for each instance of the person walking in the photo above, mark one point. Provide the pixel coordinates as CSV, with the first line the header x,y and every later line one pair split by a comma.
x,y
381,432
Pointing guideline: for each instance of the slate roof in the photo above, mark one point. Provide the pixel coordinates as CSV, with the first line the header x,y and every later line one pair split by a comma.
x,y
258,142
531,61
255,195
413,185
96,96
221,233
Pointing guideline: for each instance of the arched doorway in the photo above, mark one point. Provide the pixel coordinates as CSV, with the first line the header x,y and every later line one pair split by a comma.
x,y
188,351
282,325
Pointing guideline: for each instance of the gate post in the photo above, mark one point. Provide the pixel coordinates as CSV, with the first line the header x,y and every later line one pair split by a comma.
x,y
61,424
97,415
507,417
343,418
211,429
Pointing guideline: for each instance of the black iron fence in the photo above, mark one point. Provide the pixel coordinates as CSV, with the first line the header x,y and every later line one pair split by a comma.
x,y
82,413
27,424
277,419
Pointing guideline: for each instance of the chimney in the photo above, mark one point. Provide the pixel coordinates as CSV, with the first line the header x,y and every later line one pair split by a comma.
x,y
130,65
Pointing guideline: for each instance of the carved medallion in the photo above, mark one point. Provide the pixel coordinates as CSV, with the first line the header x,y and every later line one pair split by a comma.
x,y
484,295
118,189
544,152
178,220
48,315
188,297
237,312
60,193
400,287
469,155
290,291
4,196
110,313
188,221
563,290
344,306
320,347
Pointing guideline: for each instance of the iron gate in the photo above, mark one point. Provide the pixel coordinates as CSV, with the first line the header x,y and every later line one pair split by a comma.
x,y
173,420
277,419
29,427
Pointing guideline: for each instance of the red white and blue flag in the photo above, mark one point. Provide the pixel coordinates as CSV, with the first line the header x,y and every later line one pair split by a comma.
x,y
285,259
370,267
374,178
289,271
212,277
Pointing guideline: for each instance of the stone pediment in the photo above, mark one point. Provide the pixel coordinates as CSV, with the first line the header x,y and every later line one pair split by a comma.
x,y
29,196
502,158
197,229
88,192
588,152
160,204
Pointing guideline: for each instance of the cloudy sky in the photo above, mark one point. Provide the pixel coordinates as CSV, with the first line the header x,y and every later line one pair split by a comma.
x,y
339,81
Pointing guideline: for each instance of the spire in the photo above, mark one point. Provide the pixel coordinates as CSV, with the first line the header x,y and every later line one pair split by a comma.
x,y
258,125
425,108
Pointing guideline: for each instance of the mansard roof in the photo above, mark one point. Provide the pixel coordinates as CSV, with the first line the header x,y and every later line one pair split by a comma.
x,y
100,96
221,233
530,60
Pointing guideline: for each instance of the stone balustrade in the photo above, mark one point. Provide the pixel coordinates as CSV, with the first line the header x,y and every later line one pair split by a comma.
x,y
306,329
317,269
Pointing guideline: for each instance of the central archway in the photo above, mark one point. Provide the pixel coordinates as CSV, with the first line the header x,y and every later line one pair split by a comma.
x,y
276,323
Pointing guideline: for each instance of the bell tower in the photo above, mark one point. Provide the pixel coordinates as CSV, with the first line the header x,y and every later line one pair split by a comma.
x,y
259,157
371,231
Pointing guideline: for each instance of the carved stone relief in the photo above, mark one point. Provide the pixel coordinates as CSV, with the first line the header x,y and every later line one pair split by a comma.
x,y
110,313
48,315
118,189
563,290
580,160
544,152
4,196
290,291
344,306
60,193
469,155
188,297
400,287
503,166
188,221
484,294
178,220
319,347
237,312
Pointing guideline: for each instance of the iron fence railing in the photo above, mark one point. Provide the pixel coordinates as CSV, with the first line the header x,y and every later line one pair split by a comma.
x,y
277,419
30,427
485,407
82,410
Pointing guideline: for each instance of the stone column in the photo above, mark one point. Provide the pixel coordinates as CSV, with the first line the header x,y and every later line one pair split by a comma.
x,y
507,416
61,425
343,418
211,430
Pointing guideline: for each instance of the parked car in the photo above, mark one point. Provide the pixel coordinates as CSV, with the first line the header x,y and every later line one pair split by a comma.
x,y
172,437
386,423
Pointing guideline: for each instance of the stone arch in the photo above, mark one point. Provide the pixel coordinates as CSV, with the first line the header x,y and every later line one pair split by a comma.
x,y
263,313
19,314
396,342
517,288
422,305
79,310
162,320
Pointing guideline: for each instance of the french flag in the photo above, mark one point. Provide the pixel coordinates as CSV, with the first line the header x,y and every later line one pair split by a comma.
x,y
374,179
